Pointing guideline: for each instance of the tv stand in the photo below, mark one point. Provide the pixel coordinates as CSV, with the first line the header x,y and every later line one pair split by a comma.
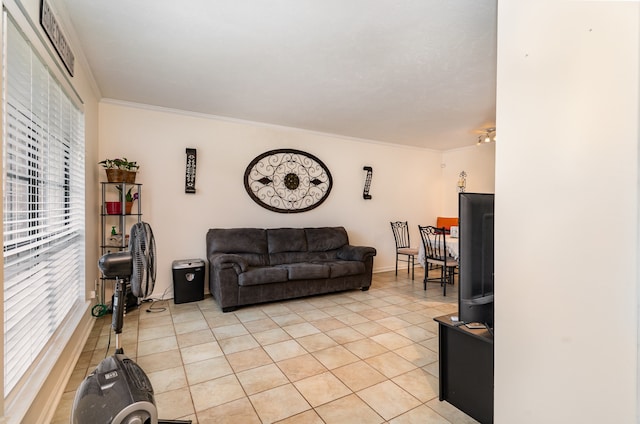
x,y
466,368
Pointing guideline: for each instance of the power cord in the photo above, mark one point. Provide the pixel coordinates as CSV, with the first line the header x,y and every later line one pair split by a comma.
x,y
157,309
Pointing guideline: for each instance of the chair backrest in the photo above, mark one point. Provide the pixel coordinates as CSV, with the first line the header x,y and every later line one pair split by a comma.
x,y
401,234
445,222
434,242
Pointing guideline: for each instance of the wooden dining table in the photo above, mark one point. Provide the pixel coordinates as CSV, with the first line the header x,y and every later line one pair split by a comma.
x,y
453,246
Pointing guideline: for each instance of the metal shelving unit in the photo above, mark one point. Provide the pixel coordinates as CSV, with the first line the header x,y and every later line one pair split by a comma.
x,y
122,222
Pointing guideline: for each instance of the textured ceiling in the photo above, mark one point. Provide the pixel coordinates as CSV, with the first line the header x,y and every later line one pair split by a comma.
x,y
414,72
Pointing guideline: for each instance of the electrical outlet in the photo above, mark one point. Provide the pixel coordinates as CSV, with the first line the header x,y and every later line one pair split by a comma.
x,y
92,294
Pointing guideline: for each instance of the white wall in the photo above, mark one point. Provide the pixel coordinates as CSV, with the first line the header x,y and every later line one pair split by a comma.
x,y
567,212
478,161
405,184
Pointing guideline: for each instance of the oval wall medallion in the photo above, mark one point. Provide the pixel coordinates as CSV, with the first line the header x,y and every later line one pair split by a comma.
x,y
287,181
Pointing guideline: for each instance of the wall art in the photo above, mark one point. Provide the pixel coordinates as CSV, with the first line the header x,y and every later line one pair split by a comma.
x,y
287,181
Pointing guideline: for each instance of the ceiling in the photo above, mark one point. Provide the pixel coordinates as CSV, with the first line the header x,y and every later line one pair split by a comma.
x,y
413,72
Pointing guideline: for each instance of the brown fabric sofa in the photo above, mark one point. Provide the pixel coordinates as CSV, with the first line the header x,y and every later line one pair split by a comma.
x,y
254,265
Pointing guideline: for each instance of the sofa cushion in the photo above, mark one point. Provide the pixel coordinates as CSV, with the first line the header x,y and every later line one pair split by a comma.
x,y
344,268
286,240
250,243
237,240
262,275
327,238
306,271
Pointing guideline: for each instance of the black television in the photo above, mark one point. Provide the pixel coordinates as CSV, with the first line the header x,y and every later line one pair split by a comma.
x,y
475,284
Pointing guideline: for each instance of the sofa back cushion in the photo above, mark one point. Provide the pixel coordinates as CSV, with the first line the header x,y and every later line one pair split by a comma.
x,y
282,240
326,238
250,243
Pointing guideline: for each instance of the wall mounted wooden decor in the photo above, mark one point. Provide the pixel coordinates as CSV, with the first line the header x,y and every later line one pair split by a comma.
x,y
287,181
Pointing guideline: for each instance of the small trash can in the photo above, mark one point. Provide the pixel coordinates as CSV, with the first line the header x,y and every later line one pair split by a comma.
x,y
188,280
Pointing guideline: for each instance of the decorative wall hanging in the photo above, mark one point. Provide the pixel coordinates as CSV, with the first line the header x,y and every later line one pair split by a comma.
x,y
367,183
462,182
190,173
287,181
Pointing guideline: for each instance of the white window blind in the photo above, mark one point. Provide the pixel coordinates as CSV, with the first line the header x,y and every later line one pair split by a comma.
x,y
43,182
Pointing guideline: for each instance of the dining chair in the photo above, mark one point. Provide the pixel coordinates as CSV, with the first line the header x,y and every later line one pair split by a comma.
x,y
403,246
435,248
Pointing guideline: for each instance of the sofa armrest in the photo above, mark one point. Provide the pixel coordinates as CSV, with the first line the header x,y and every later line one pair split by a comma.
x,y
356,253
228,260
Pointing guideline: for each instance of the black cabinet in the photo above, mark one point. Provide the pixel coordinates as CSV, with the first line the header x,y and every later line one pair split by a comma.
x,y
466,368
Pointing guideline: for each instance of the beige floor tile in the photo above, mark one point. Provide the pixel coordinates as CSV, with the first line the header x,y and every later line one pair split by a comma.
x,y
338,329
200,352
327,324
288,319
216,321
300,330
392,340
390,364
190,314
250,314
416,334
271,407
261,378
370,328
365,348
419,383
418,355
216,392
163,344
237,344
316,342
248,359
313,315
301,367
208,369
349,409
260,325
167,380
195,338
160,361
450,412
345,335
155,332
272,336
174,404
335,357
284,350
190,326
238,411
393,323
352,318
307,417
359,375
388,400
321,388
420,415
336,311
228,331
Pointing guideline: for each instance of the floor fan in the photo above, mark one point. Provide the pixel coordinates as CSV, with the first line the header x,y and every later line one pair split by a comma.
x,y
118,391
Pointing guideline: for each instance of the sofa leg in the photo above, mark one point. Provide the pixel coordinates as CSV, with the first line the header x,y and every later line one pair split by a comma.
x,y
365,288
229,309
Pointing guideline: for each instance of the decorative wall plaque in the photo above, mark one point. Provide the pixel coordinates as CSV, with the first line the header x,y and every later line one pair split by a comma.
x,y
367,183
287,181
190,172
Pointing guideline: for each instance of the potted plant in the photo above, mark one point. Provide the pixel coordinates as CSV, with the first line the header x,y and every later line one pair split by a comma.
x,y
115,208
120,170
